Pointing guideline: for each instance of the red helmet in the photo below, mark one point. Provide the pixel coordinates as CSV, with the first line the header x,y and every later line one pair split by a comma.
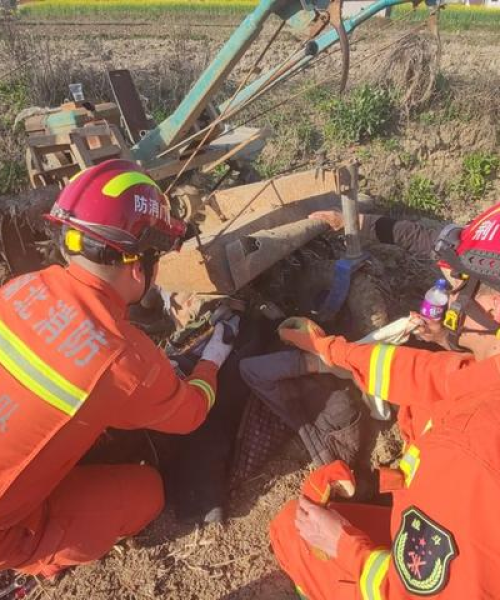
x,y
117,205
472,253
474,250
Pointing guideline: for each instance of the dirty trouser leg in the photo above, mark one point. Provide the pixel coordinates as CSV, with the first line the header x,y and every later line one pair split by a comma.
x,y
318,407
317,579
89,511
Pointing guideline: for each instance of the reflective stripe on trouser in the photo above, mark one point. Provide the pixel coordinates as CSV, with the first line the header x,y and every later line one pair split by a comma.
x,y
409,463
373,573
206,388
36,375
380,370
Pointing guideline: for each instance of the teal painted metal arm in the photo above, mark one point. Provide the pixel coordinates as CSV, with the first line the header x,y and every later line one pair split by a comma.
x,y
172,129
176,127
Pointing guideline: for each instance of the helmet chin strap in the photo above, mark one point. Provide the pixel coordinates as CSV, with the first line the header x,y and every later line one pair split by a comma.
x,y
466,305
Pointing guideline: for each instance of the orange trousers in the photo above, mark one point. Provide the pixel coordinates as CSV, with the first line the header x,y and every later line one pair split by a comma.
x,y
319,579
82,519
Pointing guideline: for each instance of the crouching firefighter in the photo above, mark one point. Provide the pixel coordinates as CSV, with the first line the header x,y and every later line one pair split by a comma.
x,y
71,365
442,537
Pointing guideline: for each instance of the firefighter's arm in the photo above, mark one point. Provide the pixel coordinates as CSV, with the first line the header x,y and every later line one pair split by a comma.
x,y
414,237
400,375
160,400
333,539
397,374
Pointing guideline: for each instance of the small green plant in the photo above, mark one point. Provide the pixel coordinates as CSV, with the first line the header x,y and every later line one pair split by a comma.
x,y
364,153
408,159
12,176
391,144
421,195
13,98
318,95
359,117
429,117
307,136
478,169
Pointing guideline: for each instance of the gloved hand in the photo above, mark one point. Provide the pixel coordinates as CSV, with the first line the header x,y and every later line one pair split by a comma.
x,y
302,333
328,481
221,343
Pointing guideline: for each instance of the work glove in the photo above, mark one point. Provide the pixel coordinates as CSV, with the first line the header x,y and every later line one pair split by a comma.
x,y
302,333
221,343
323,484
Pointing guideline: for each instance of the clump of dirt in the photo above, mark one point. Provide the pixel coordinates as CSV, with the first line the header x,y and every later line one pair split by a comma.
x,y
388,447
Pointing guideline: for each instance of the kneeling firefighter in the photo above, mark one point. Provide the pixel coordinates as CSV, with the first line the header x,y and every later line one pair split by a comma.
x,y
441,538
72,365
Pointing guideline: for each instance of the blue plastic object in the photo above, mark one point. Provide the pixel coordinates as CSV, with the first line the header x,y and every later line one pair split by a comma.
x,y
341,282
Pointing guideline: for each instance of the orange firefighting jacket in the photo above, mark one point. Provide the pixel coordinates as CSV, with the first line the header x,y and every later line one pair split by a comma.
x,y
71,365
444,524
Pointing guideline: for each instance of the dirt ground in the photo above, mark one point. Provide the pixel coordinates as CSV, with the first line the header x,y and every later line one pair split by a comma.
x,y
234,562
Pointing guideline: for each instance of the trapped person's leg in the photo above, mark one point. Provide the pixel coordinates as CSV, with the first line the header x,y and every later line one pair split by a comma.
x,y
321,408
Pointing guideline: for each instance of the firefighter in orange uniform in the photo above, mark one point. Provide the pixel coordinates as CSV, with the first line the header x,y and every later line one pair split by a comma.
x,y
442,536
71,365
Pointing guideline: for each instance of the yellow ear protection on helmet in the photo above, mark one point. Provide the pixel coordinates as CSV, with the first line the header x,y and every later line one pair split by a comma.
x,y
73,241
76,242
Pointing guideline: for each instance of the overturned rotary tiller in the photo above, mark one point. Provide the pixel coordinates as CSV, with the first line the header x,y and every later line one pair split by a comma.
x,y
238,238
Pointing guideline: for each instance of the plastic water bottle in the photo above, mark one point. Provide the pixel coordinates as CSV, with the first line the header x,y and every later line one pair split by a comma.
x,y
435,301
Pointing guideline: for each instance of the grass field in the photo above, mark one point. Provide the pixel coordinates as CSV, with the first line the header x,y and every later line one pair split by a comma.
x,y
455,17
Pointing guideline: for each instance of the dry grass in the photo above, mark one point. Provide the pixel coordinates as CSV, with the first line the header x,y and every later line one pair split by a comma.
x,y
412,68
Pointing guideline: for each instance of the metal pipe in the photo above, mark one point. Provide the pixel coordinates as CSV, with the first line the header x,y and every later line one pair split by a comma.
x,y
350,213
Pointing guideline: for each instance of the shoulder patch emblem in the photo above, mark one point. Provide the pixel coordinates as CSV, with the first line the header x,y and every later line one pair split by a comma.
x,y
423,551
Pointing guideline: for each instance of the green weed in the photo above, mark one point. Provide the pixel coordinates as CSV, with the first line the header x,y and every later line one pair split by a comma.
x,y
478,169
13,98
13,176
361,116
364,153
391,144
421,195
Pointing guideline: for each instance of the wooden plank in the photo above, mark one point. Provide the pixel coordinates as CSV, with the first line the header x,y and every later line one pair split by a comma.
x,y
168,169
110,151
57,140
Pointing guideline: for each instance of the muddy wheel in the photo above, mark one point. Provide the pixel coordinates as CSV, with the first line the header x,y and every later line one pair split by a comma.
x,y
367,304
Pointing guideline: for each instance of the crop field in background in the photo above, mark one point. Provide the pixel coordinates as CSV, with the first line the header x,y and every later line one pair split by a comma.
x,y
453,17
456,17
147,8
